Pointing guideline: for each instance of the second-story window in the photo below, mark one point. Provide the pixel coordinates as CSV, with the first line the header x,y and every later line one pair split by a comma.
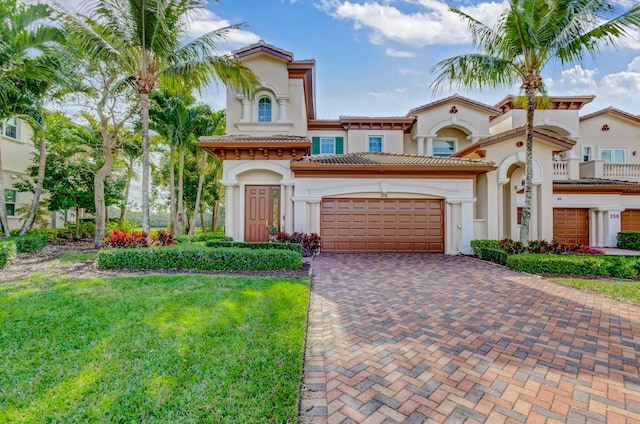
x,y
11,128
375,143
613,154
327,146
264,109
443,148
586,153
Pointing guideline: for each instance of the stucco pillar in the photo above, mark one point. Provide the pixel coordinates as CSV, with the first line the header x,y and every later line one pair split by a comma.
x,y
600,229
282,111
246,112
313,216
534,232
501,185
230,214
288,206
420,141
429,146
453,227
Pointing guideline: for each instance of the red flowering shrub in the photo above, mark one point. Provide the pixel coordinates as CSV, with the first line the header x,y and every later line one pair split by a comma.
x,y
119,239
555,247
310,242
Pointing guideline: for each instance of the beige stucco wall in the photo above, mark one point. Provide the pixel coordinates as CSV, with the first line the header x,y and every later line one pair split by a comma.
x,y
275,83
499,190
564,122
622,133
392,141
469,120
16,158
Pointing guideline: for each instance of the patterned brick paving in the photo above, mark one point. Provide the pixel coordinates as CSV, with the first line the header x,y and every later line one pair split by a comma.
x,y
432,338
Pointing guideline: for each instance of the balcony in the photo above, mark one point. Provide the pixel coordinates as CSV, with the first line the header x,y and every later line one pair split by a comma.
x,y
610,171
560,170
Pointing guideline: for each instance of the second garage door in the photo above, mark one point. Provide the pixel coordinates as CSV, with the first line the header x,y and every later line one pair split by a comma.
x,y
382,225
630,220
571,225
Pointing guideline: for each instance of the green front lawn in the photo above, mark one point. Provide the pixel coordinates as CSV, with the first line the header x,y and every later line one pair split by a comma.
x,y
627,290
75,256
153,349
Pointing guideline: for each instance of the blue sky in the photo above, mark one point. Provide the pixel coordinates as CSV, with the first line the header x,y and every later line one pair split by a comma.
x,y
373,56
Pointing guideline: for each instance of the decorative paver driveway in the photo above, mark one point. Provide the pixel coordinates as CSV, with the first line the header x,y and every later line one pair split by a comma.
x,y
434,338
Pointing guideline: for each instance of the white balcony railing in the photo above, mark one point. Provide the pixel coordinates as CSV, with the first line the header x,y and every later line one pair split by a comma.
x,y
560,171
621,171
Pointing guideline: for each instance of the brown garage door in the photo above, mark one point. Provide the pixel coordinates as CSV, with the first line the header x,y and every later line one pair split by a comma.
x,y
630,220
382,225
571,225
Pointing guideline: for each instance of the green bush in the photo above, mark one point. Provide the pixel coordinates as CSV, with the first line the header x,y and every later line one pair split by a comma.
x,y
263,245
201,237
494,255
629,240
476,245
30,242
7,252
194,257
598,265
87,230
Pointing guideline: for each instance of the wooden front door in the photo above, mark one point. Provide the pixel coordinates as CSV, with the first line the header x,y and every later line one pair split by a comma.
x,y
261,211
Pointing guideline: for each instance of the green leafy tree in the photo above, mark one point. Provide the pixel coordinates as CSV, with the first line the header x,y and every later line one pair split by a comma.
x,y
24,33
145,40
528,36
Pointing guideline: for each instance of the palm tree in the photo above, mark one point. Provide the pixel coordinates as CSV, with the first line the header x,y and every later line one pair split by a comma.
x,y
529,35
24,34
144,39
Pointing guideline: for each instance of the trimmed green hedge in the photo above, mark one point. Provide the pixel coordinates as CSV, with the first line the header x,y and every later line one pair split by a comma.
x,y
494,255
201,237
476,245
599,265
7,253
29,242
194,257
629,240
255,245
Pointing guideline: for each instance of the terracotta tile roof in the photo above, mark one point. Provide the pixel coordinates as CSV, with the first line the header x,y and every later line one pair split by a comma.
x,y
377,159
456,98
252,140
614,111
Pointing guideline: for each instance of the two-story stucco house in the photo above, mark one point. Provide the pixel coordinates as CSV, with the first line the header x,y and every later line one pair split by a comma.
x,y
428,181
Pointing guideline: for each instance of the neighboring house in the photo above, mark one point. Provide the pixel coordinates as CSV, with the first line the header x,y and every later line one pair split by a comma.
x,y
17,157
431,181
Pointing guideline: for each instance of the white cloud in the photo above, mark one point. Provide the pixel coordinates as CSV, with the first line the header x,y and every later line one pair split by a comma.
x,y
206,21
579,80
409,71
433,26
625,84
399,53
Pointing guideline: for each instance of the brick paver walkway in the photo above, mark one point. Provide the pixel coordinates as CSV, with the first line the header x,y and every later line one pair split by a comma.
x,y
432,338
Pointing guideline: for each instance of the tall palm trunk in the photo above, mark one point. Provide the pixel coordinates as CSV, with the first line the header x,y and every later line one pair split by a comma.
x,y
3,208
144,118
98,184
531,90
123,210
173,219
42,161
192,227
181,215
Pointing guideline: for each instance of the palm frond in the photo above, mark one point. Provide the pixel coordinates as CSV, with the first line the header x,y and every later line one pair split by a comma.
x,y
474,70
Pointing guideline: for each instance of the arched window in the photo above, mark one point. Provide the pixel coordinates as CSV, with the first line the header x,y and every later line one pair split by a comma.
x,y
264,109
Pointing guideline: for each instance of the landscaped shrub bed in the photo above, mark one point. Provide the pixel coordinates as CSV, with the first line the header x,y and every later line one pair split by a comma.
x,y
193,257
476,245
201,237
30,242
494,255
7,253
629,240
260,245
514,247
310,242
597,265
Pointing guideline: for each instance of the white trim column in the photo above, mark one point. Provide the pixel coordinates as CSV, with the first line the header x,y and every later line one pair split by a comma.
x,y
429,146
282,111
420,141
534,222
245,107
229,208
600,229
313,216
288,205
501,223
453,226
